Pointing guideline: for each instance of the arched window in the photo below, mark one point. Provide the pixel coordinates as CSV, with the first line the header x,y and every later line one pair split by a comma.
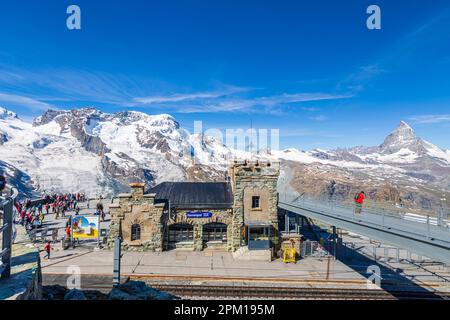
x,y
215,231
135,232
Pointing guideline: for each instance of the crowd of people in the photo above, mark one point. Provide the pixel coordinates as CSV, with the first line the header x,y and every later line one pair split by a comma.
x,y
32,215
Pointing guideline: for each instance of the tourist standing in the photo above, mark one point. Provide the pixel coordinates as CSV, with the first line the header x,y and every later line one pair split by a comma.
x,y
359,201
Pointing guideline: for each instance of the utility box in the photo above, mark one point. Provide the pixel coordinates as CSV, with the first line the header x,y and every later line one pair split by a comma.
x,y
66,243
293,240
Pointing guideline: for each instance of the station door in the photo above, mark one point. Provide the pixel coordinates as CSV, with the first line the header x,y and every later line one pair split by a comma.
x,y
215,232
181,232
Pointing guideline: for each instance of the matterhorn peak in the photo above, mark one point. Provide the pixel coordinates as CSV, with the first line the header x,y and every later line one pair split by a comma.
x,y
404,132
404,125
6,114
402,137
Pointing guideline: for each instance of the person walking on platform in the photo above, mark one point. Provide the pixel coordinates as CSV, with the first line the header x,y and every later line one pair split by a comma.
x,y
359,201
47,249
100,207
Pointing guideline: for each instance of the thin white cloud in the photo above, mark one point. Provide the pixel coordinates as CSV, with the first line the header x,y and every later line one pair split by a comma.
x,y
431,118
299,97
231,104
358,81
38,89
319,118
181,97
176,98
30,103
69,85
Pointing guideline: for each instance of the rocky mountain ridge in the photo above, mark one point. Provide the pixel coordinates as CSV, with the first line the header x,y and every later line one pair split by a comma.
x,y
100,153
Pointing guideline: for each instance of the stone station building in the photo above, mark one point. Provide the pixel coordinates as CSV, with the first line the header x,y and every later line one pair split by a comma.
x,y
241,211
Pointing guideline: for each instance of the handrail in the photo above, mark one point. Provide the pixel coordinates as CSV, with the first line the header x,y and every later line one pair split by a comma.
x,y
360,221
333,204
322,209
13,195
7,229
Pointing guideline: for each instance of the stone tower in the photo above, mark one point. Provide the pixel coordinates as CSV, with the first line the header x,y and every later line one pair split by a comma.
x,y
137,211
254,182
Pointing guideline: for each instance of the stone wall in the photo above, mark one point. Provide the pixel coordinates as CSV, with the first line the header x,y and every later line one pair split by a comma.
x,y
254,179
222,216
25,282
247,180
137,208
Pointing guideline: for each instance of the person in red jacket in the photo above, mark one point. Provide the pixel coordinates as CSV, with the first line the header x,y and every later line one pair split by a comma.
x,y
68,234
47,249
359,200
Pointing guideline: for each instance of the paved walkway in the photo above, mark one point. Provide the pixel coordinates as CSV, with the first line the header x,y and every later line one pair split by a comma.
x,y
210,265
219,267
196,264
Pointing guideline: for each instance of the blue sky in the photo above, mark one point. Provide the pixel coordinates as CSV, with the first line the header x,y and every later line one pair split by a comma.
x,y
310,68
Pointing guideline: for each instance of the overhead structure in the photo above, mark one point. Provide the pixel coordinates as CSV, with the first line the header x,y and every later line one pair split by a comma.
x,y
432,241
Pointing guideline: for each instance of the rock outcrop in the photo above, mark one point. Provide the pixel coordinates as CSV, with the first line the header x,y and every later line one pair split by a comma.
x,y
130,290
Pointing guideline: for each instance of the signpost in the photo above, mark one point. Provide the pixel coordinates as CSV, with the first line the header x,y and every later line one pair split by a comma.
x,y
85,227
192,214
116,265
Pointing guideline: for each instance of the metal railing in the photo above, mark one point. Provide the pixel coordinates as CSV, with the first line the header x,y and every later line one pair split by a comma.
x,y
315,249
369,205
7,231
346,209
373,216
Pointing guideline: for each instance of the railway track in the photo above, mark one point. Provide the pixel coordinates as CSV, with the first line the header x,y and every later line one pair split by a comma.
x,y
230,291
293,293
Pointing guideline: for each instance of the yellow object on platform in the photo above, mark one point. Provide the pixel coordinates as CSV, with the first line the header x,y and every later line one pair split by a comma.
x,y
289,255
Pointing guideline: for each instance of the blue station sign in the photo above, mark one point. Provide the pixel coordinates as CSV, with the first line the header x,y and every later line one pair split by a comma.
x,y
192,214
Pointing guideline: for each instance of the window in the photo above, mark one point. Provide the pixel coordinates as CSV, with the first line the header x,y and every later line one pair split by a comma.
x,y
215,232
255,202
181,232
135,232
259,233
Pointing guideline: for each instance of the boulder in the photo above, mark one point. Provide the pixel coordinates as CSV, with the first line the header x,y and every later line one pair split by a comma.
x,y
54,292
75,294
138,290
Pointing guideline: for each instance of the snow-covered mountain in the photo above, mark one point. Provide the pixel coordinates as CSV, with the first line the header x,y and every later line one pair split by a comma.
x,y
100,153
404,168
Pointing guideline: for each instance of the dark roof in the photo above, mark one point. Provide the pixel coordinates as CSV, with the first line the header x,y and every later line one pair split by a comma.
x,y
195,195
